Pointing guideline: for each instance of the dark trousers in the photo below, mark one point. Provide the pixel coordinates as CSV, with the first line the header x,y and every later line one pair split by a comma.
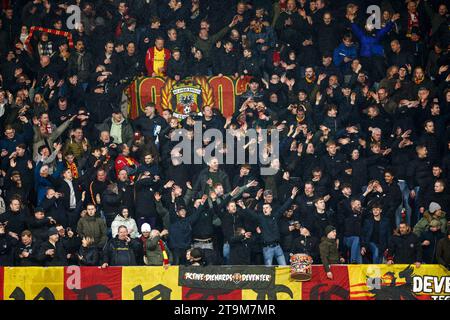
x,y
179,256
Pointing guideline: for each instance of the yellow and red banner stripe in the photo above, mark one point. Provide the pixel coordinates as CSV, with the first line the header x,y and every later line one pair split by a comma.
x,y
353,282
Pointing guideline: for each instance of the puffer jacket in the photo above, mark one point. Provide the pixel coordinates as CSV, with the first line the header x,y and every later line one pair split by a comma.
x,y
405,249
130,223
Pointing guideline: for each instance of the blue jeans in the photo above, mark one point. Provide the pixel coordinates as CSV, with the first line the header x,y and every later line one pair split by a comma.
x,y
274,252
376,258
226,253
355,249
405,196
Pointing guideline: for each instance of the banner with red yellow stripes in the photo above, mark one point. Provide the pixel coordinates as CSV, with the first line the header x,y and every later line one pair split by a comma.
x,y
353,282
398,282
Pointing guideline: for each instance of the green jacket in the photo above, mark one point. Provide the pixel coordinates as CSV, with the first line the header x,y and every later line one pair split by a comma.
x,y
206,45
94,227
76,148
424,223
329,252
154,253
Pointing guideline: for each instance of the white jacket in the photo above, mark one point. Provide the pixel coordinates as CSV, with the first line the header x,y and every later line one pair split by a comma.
x,y
130,223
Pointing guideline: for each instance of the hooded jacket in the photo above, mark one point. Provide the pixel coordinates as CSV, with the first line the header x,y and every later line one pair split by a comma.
x,y
129,222
424,223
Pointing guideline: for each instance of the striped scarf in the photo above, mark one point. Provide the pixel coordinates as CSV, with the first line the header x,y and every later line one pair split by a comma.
x,y
73,168
164,252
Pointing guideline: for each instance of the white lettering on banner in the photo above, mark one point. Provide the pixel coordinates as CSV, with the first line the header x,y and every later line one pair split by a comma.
x,y
183,90
431,284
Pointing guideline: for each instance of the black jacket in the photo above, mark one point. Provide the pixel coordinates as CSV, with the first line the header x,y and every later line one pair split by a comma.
x,y
64,188
230,222
31,260
120,253
429,252
419,173
58,259
321,221
39,228
353,225
383,236
16,221
333,165
6,249
89,256
287,237
307,245
269,223
240,250
405,249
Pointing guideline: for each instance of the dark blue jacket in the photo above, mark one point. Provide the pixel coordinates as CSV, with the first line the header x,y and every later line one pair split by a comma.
x,y
367,231
25,137
343,51
180,229
370,45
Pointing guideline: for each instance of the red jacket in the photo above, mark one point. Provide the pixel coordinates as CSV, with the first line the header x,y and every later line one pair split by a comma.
x,y
150,56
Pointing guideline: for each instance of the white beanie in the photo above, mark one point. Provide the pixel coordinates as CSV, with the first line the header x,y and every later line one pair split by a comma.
x,y
146,227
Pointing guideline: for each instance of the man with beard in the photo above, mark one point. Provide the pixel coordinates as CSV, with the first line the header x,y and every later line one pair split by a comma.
x,y
404,247
81,64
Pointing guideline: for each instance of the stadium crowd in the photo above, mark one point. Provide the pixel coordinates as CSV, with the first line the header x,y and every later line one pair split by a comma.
x,y
362,112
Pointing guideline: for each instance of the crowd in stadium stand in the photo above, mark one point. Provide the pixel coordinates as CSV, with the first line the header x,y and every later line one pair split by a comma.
x,y
362,111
